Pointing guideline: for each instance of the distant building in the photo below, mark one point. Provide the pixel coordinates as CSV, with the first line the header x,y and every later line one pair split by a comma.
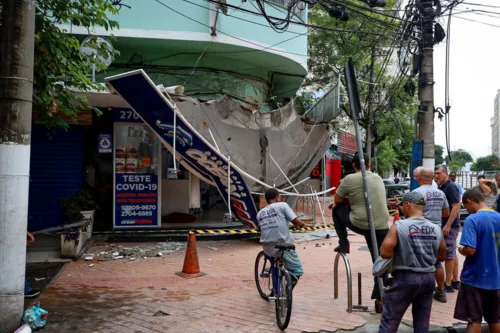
x,y
495,127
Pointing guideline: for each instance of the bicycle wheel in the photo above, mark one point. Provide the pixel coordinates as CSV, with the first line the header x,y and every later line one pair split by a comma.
x,y
284,300
263,277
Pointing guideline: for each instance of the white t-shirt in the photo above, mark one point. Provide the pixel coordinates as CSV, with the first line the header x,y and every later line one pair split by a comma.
x,y
435,201
273,223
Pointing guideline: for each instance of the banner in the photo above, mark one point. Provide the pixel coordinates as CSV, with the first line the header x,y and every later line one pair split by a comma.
x,y
152,106
136,200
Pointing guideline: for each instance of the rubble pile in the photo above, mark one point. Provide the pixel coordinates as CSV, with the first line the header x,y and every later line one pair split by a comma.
x,y
143,251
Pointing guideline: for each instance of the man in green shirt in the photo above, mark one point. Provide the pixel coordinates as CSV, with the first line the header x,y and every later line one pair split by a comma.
x,y
350,212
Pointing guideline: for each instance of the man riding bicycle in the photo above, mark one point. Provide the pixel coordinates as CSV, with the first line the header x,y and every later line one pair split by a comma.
x,y
273,223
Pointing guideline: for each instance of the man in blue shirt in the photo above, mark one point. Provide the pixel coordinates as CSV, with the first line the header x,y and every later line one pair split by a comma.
x,y
453,177
479,294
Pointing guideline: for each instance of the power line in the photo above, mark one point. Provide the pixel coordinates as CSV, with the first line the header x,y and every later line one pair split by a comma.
x,y
475,21
312,26
480,5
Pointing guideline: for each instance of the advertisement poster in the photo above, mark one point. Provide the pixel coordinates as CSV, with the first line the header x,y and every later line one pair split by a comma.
x,y
136,172
136,200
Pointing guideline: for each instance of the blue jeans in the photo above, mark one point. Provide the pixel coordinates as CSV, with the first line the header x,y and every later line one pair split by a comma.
x,y
27,287
407,288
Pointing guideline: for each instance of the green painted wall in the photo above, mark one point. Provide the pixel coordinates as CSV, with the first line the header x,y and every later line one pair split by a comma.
x,y
176,50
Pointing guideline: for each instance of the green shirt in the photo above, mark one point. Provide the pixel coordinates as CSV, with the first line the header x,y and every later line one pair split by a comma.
x,y
352,188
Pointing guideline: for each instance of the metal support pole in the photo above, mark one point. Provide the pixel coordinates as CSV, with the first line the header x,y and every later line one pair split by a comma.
x,y
336,279
16,93
355,111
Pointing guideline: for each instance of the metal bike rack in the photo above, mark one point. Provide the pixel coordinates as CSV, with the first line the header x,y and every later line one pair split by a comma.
x,y
350,307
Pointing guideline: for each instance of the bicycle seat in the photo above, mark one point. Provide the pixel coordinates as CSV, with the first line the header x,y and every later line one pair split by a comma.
x,y
285,246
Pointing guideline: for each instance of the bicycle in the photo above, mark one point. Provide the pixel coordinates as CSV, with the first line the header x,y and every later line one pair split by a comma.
x,y
279,282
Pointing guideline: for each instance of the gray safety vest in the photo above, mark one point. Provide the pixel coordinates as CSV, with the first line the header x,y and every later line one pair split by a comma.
x,y
418,244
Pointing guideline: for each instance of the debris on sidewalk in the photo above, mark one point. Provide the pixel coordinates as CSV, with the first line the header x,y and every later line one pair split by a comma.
x,y
35,317
117,252
24,329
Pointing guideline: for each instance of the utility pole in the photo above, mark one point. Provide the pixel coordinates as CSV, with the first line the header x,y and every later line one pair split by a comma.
x,y
16,91
426,85
371,89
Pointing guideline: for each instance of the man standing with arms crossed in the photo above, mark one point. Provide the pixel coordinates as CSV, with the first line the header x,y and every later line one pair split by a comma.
x,y
436,208
414,244
451,229
479,294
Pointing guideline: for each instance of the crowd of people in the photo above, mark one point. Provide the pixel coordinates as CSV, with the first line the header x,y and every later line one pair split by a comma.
x,y
413,250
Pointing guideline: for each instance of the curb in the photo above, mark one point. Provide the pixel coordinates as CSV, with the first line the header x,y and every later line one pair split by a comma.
x,y
403,328
118,238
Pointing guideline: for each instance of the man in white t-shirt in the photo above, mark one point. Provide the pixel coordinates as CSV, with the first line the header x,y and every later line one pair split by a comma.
x,y
273,224
436,207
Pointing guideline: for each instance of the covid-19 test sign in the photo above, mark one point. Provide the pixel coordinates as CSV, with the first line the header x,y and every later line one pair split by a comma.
x,y
136,200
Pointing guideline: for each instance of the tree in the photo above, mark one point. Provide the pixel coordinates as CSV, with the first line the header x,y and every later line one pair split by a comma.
x,y
392,124
486,163
60,68
439,151
458,159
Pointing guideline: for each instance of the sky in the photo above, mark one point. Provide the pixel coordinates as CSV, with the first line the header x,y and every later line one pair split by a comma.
x,y
474,79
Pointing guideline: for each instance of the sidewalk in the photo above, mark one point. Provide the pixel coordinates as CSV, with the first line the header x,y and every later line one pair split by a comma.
x,y
145,295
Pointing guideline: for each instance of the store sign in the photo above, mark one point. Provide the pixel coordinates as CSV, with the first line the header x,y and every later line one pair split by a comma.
x,y
347,143
149,103
104,144
136,200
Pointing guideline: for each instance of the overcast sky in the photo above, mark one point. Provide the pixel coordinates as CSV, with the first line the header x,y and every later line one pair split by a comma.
x,y
474,79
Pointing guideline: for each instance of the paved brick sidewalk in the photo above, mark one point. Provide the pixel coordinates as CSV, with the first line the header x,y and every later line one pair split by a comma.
x,y
124,296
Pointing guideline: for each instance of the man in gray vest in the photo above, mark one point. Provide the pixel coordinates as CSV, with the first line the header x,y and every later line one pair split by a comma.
x,y
414,244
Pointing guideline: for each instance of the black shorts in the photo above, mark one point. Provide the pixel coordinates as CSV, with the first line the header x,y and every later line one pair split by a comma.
x,y
474,303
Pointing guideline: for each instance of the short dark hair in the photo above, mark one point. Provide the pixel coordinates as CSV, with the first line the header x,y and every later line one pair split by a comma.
x,y
474,194
357,163
271,194
481,177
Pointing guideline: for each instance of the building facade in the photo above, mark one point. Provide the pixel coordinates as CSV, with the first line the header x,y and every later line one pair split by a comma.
x,y
214,52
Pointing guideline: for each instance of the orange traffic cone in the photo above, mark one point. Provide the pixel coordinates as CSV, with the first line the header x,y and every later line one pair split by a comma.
x,y
191,268
396,217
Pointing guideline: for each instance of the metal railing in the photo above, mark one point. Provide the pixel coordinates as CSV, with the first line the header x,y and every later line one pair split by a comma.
x,y
350,307
468,179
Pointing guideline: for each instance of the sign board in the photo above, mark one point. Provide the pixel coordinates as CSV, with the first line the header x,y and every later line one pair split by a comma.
x,y
136,200
105,144
347,143
140,92
135,159
316,172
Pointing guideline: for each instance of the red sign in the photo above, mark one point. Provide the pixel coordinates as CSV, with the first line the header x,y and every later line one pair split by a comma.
x,y
347,143
316,172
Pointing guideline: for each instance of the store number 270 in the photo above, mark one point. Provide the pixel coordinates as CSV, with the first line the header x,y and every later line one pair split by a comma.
x,y
128,115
